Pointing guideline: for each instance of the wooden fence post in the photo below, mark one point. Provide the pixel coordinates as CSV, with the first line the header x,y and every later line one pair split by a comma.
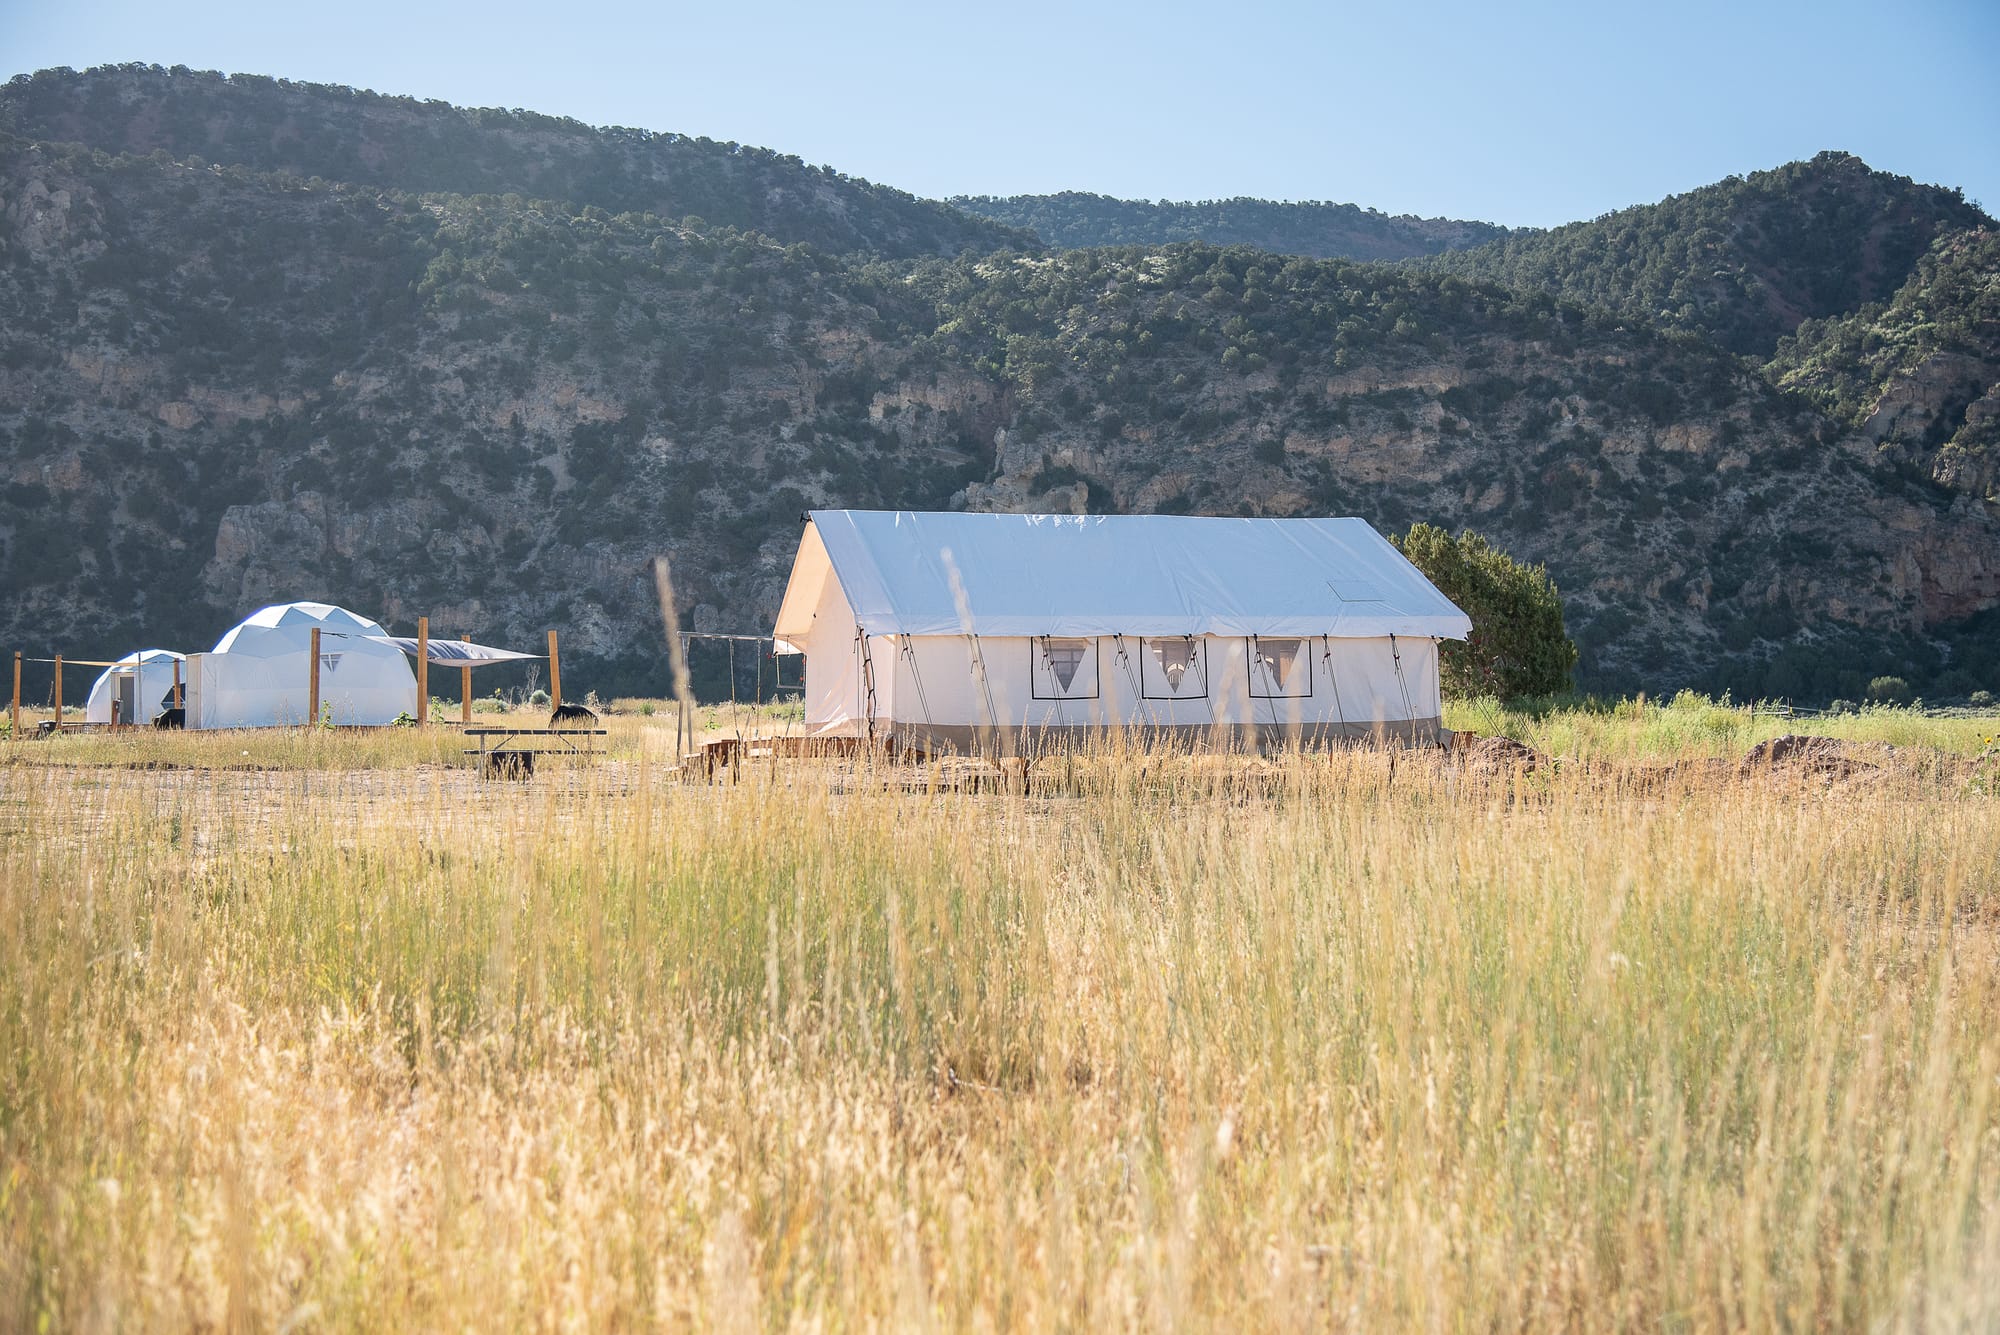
x,y
58,692
423,671
312,683
555,673
177,683
16,734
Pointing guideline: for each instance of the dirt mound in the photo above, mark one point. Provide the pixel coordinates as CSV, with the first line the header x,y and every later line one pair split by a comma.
x,y
1501,753
1794,753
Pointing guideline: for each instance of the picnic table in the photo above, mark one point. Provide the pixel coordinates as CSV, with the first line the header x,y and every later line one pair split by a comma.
x,y
509,752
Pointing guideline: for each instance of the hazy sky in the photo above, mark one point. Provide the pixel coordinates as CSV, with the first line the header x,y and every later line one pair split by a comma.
x,y
1518,113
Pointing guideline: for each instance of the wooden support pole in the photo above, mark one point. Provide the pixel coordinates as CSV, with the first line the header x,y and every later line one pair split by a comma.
x,y
555,673
465,693
17,695
312,683
58,692
423,671
177,683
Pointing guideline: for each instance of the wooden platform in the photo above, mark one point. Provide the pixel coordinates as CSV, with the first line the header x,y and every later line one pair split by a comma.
x,y
725,758
727,754
48,728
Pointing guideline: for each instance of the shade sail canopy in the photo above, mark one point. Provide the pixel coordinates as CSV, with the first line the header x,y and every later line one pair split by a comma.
x,y
453,653
910,573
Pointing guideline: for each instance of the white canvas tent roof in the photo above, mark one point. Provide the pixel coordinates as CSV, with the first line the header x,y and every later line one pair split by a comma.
x,y
250,636
909,573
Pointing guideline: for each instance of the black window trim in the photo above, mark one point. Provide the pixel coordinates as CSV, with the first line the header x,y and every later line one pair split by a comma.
x,y
1037,668
1146,655
1250,664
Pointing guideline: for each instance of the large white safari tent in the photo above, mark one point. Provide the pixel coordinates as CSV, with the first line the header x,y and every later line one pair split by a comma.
x,y
946,630
140,685
259,674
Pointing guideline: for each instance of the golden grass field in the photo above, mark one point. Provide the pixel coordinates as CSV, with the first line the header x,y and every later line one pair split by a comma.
x,y
317,1031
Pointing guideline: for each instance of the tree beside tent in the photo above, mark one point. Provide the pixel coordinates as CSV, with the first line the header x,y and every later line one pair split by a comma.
x,y
1518,645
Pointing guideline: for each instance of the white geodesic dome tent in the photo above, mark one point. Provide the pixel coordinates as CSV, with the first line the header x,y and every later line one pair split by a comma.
x,y
962,631
141,684
259,674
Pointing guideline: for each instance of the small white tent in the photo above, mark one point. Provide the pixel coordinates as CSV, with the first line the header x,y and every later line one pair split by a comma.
x,y
940,630
141,684
259,674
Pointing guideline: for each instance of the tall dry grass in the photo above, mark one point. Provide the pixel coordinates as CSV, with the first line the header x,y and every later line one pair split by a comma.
x,y
1351,1041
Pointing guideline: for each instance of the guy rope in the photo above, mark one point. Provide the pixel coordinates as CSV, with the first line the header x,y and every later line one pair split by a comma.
x,y
1397,654
1333,678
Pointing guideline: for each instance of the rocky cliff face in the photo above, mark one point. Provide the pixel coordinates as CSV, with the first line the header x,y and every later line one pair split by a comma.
x,y
220,389
1919,374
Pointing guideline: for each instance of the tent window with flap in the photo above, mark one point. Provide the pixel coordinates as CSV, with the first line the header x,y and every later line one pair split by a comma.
x,y
939,629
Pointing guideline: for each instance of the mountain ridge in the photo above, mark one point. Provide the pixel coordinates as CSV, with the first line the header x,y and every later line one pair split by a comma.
x,y
1743,261
402,143
1074,219
247,386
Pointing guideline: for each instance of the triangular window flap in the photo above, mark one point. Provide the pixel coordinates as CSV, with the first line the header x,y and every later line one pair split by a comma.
x,y
1278,657
1174,658
1064,657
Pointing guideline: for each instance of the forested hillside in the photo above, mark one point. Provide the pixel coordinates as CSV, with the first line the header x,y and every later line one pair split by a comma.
x,y
1743,261
349,134
1074,219
1921,372
226,388
221,387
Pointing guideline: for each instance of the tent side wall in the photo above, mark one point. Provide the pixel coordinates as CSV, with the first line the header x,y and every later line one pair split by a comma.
x,y
838,670
1332,687
360,687
200,691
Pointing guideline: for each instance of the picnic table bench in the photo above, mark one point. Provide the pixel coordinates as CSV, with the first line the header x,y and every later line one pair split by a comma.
x,y
509,753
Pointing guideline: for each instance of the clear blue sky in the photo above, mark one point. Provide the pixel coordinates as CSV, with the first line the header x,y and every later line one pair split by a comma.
x,y
1518,113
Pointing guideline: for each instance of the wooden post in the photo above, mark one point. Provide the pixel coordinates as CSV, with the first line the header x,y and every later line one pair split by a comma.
x,y
58,692
465,693
555,673
177,683
17,695
312,683
423,671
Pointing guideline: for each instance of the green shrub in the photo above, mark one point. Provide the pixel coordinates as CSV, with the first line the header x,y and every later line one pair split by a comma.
x,y
1518,644
1893,689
